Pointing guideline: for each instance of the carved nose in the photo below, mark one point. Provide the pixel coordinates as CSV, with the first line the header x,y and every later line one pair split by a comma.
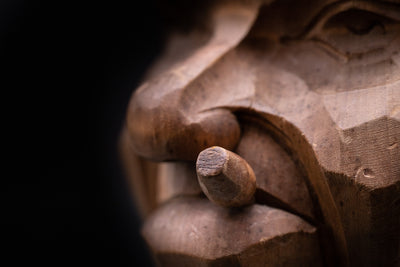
x,y
225,178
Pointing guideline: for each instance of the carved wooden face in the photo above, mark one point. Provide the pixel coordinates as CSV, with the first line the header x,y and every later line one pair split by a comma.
x,y
308,93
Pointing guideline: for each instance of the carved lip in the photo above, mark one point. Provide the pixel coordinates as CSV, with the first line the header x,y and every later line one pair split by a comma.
x,y
193,230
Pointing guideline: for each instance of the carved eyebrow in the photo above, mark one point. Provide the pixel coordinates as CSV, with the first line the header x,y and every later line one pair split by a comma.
x,y
384,9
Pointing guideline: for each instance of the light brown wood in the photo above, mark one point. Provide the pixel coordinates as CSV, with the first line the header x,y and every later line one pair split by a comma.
x,y
225,178
308,94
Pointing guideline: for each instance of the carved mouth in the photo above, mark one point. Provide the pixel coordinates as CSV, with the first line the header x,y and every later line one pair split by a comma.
x,y
189,228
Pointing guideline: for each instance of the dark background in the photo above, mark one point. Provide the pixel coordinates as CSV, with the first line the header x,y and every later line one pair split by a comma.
x,y
69,68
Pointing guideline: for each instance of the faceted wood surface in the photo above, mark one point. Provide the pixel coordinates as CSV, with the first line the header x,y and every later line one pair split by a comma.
x,y
308,93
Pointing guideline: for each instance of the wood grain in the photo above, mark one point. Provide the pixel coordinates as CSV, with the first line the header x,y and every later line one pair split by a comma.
x,y
225,178
311,103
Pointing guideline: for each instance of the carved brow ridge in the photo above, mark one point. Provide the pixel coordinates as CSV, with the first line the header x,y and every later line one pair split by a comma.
x,y
388,10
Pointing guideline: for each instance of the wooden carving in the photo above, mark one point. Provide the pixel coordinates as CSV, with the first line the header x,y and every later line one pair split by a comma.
x,y
278,124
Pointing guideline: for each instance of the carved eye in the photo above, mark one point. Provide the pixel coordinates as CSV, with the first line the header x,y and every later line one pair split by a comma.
x,y
355,28
358,22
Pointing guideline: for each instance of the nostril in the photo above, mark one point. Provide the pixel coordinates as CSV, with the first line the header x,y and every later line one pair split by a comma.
x,y
225,178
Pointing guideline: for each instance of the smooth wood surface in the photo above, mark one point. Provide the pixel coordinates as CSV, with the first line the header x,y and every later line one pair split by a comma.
x,y
308,94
